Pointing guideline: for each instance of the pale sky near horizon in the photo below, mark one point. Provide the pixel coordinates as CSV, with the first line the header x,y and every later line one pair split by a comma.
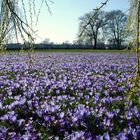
x,y
62,25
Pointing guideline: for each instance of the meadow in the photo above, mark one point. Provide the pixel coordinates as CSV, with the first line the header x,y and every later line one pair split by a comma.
x,y
70,96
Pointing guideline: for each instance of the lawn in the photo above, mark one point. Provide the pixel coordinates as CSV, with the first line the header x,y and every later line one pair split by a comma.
x,y
84,50
75,50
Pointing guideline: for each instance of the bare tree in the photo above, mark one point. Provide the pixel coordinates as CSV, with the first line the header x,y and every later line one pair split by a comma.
x,y
92,30
115,29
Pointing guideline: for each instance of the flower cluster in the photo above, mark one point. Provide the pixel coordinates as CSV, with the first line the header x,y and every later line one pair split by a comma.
x,y
68,96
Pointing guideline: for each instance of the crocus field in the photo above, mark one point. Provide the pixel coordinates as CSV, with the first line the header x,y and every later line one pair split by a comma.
x,y
69,96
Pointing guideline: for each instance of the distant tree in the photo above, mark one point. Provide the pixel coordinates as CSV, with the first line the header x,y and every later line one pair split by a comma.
x,y
78,41
83,40
91,32
66,42
46,41
115,29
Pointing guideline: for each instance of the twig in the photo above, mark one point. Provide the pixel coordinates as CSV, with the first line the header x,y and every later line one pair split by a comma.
x,y
21,21
97,10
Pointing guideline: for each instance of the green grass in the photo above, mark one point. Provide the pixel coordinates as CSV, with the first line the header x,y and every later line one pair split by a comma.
x,y
74,50
83,50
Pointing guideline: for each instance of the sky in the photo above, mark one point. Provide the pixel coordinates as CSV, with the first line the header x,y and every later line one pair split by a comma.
x,y
63,24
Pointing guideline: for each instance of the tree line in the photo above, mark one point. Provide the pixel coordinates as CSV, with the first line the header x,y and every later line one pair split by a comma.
x,y
105,27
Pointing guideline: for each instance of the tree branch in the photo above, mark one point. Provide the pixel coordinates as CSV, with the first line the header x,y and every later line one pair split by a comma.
x,y
97,10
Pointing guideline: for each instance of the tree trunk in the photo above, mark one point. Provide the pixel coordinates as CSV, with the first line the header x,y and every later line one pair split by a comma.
x,y
95,43
118,44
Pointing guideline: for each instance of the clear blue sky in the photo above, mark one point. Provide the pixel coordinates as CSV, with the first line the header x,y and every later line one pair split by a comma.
x,y
63,24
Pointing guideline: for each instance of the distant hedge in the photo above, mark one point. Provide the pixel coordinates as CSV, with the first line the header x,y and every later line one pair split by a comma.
x,y
60,46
